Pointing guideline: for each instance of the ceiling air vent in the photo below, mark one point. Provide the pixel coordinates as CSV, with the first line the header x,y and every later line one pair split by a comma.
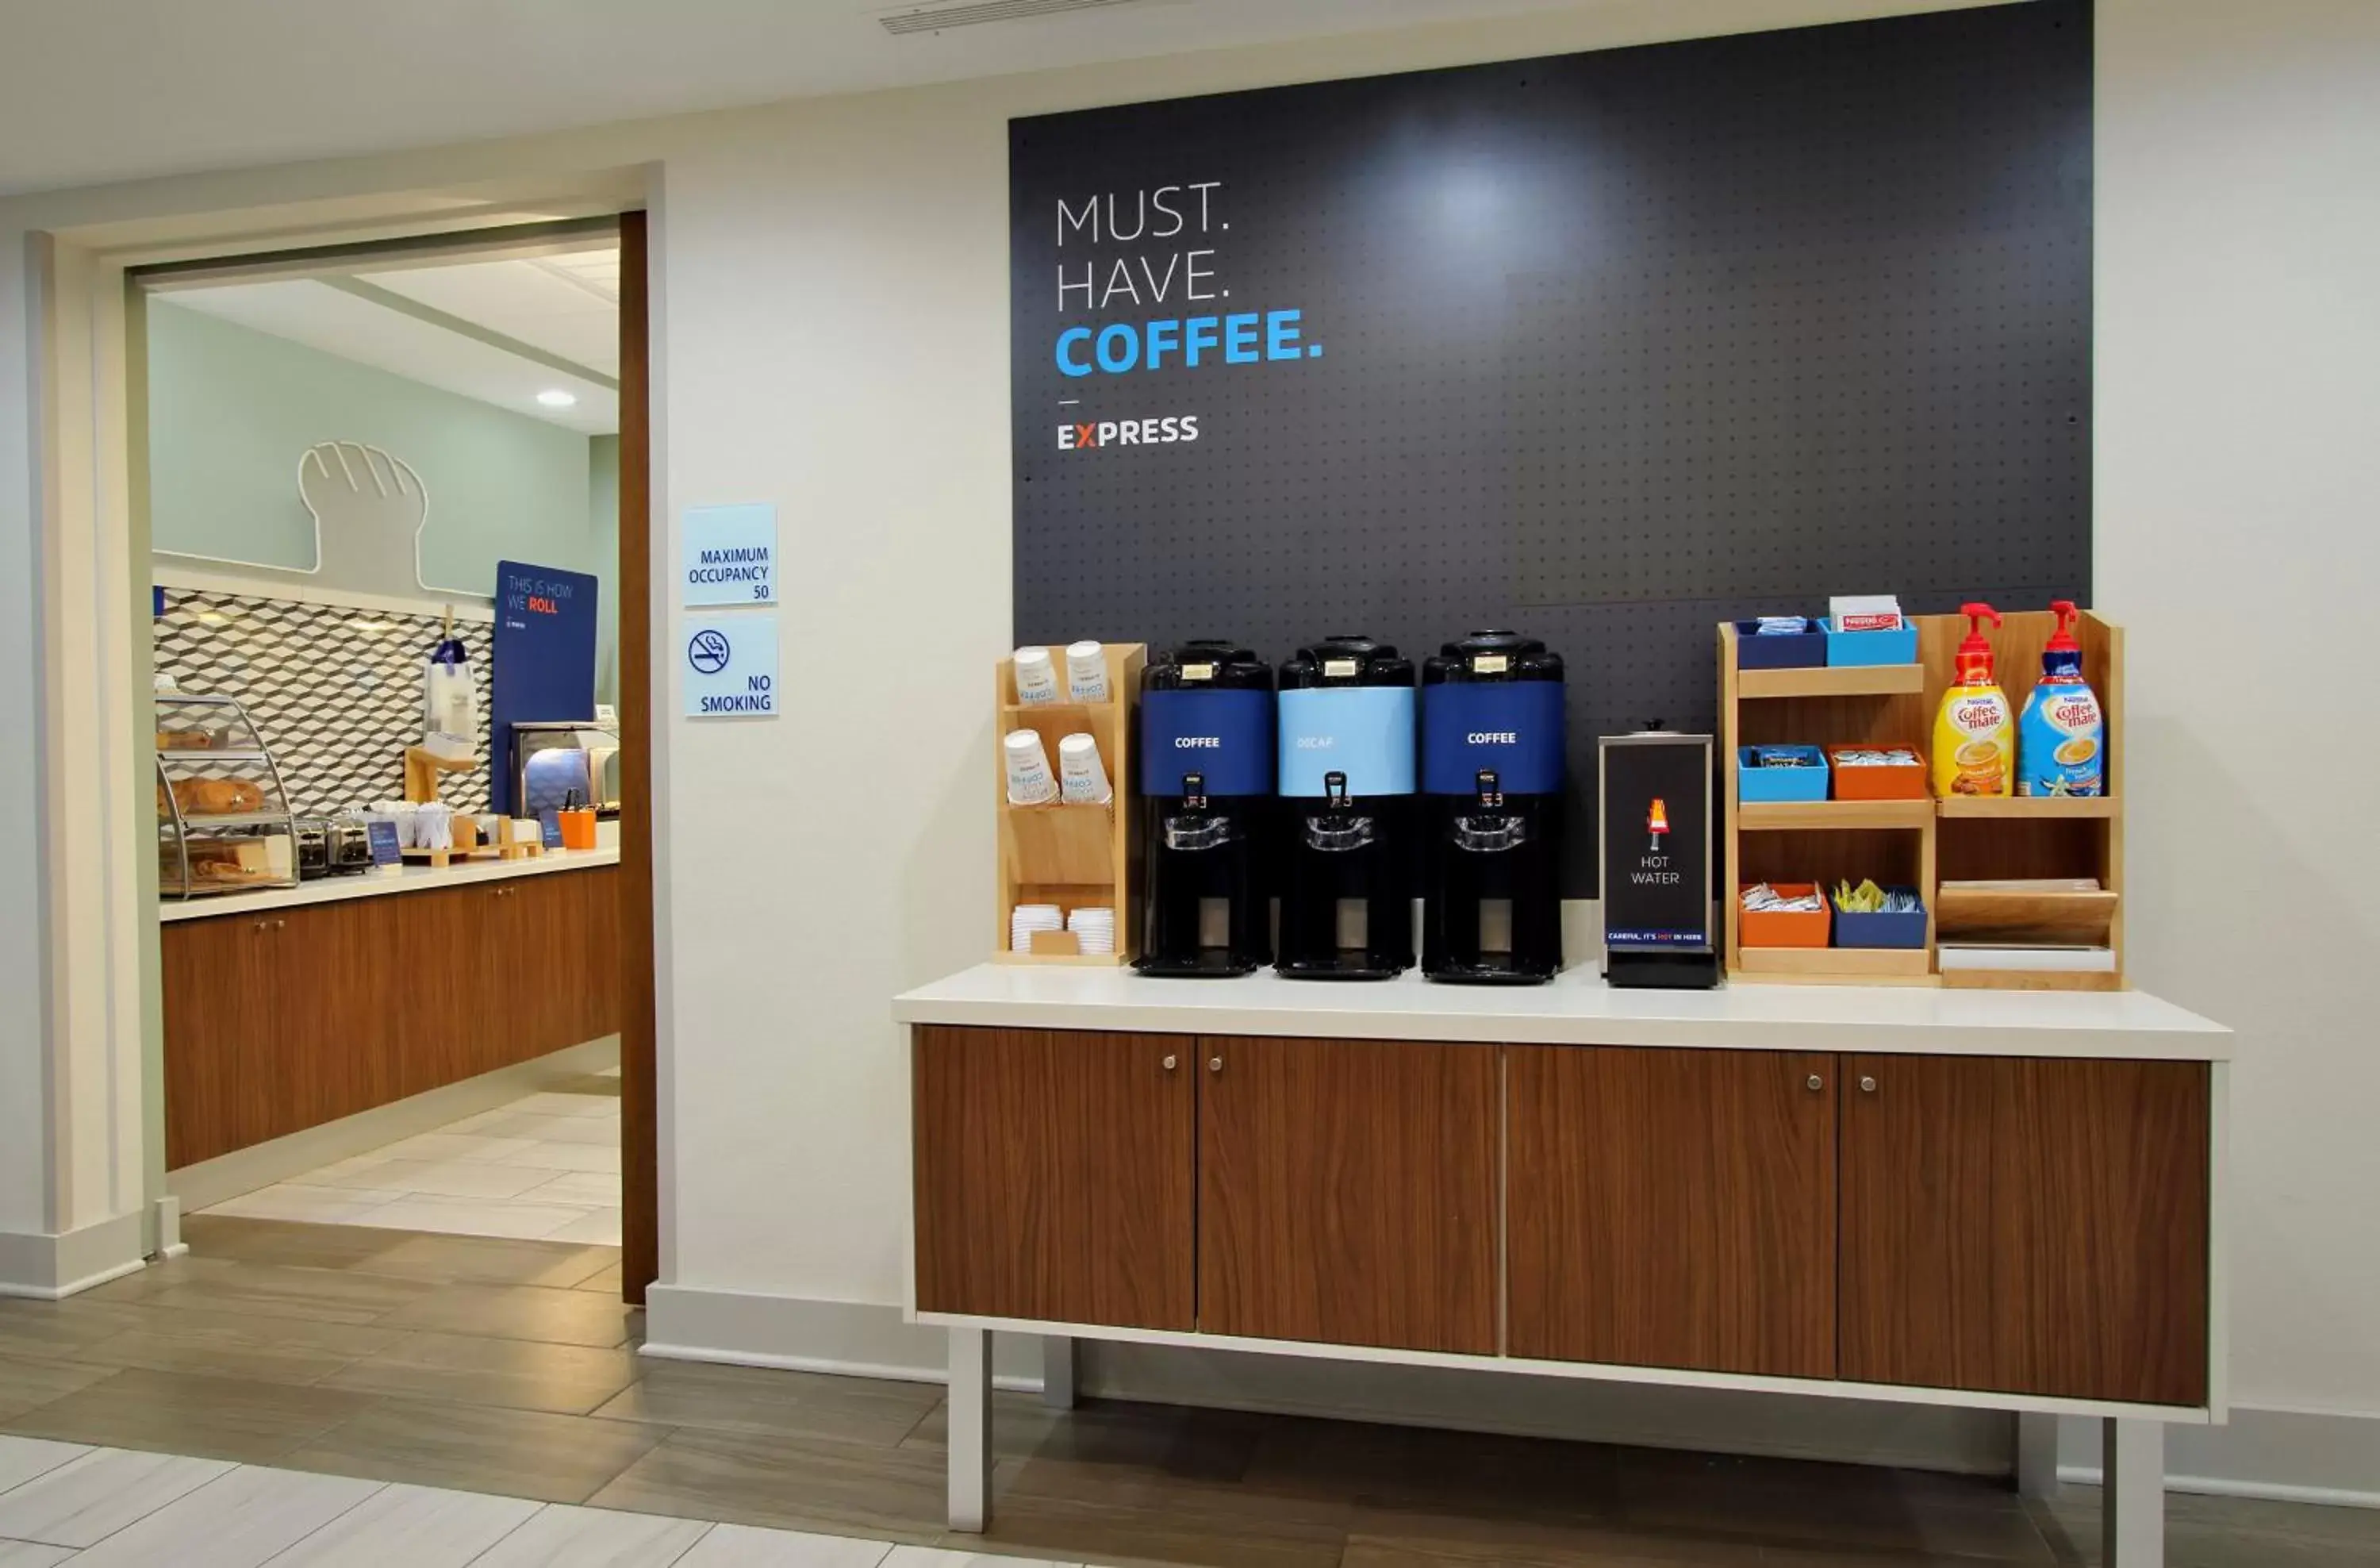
x,y
936,19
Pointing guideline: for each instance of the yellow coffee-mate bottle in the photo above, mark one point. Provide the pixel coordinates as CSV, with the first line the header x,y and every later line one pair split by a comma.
x,y
1974,735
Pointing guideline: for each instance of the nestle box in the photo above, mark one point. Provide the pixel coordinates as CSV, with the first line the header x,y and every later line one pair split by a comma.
x,y
1896,646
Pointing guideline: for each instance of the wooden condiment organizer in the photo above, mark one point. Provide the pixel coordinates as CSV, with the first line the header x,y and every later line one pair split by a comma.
x,y
1070,856
1922,843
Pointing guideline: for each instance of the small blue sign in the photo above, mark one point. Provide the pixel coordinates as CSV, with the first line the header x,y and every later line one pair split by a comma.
x,y
382,836
549,827
730,666
731,555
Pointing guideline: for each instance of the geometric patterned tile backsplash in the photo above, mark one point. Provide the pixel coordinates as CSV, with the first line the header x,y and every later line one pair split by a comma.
x,y
335,692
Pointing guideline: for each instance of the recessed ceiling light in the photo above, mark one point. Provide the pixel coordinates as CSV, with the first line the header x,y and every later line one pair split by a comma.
x,y
554,397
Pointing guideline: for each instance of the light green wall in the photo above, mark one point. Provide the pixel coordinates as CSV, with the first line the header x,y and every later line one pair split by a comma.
x,y
231,410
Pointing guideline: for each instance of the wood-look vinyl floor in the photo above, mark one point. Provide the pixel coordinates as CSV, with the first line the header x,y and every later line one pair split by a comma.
x,y
509,1368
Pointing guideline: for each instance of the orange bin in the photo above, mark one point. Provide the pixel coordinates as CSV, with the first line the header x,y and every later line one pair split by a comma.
x,y
1781,928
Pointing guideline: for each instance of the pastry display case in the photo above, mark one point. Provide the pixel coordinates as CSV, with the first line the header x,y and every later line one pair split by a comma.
x,y
223,822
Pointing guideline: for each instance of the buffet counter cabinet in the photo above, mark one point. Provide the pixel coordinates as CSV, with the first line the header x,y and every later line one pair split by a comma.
x,y
289,1008
2009,1200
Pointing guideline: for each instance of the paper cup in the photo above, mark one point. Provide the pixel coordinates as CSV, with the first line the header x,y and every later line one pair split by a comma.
x,y
1081,780
1087,672
1036,678
1030,782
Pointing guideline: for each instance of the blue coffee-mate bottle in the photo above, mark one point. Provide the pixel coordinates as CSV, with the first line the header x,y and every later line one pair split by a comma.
x,y
1347,787
2061,736
1491,747
1205,781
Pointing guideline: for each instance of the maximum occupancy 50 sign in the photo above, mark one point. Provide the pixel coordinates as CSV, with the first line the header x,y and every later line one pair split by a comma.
x,y
731,555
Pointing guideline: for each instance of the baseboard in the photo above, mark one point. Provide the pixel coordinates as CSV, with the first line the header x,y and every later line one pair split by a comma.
x,y
2285,1455
859,1339
48,1267
228,1176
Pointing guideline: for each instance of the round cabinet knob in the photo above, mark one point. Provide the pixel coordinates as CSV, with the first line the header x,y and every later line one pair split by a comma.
x,y
280,925
262,924
1214,1064
1169,1062
1867,1085
1816,1083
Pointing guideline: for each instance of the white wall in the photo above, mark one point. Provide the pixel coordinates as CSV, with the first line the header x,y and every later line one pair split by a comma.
x,y
2238,464
833,315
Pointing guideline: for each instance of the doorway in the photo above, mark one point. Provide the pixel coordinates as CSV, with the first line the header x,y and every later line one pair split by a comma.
x,y
453,1032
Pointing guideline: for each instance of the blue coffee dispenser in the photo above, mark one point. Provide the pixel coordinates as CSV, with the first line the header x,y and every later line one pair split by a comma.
x,y
1347,783
1205,779
1492,737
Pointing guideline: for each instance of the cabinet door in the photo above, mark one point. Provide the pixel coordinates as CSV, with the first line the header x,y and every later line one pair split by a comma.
x,y
2026,1226
548,932
340,1001
221,1070
1347,1192
1053,1174
448,1003
1672,1207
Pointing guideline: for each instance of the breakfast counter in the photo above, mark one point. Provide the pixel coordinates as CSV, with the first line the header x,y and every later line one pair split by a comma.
x,y
415,877
287,1008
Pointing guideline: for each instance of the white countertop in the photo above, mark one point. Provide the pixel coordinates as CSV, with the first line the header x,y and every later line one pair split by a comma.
x,y
1579,1009
415,877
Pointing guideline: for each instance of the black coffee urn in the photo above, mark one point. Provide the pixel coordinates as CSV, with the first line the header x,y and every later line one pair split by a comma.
x,y
1347,788
1206,780
1491,750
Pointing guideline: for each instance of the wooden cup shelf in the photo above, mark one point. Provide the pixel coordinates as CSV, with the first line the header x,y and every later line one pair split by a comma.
x,y
1070,855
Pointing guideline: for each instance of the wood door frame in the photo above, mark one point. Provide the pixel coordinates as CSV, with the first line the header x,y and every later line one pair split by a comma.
x,y
639,719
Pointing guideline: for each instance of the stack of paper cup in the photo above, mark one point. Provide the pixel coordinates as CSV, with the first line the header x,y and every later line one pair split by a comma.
x,y
1087,672
1036,679
1094,928
1081,779
1031,782
1028,919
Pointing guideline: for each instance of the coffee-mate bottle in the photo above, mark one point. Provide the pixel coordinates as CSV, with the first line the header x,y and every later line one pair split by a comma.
x,y
1973,737
2061,738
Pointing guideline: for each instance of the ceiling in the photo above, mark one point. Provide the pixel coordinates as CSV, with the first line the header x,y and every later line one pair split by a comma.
x,y
563,308
108,90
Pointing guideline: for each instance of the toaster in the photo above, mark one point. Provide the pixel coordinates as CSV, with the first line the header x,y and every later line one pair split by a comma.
x,y
348,846
313,848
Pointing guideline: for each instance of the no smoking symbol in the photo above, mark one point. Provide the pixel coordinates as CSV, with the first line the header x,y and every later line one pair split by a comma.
x,y
708,651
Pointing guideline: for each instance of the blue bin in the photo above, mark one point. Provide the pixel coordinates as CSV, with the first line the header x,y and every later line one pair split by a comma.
x,y
1804,650
1904,929
1870,648
1770,785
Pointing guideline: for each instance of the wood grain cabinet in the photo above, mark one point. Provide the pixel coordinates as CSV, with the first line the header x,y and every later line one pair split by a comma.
x,y
279,1022
1672,1207
1053,1175
2028,1226
1347,1192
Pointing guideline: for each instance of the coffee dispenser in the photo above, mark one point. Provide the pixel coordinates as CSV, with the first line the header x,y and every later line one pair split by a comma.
x,y
1347,783
1492,749
1205,779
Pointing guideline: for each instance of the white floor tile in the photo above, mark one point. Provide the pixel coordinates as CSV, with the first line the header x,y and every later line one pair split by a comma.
x,y
456,1178
519,1221
572,1156
87,1500
741,1546
568,1105
600,1228
31,1555
21,1459
239,1521
478,1123
935,1556
289,1200
609,1072
562,1536
555,1129
456,1145
406,1526
579,1187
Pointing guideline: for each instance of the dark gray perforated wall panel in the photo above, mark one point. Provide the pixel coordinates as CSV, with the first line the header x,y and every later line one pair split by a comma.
x,y
1613,346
